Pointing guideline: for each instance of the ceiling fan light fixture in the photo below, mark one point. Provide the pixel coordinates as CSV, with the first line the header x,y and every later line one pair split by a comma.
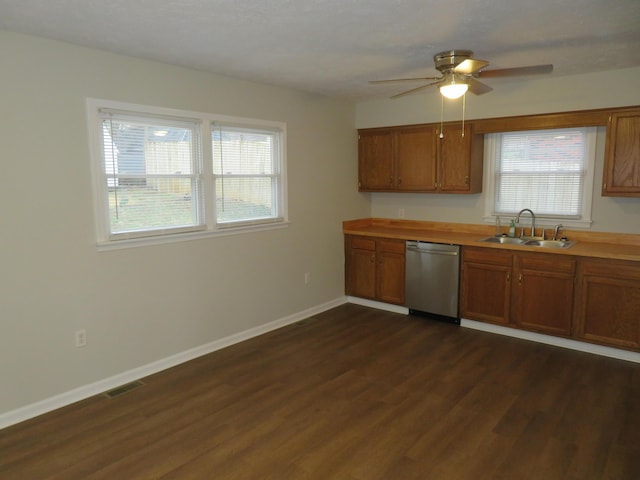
x,y
454,88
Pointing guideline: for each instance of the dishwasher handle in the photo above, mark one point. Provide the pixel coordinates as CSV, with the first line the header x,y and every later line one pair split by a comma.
x,y
432,252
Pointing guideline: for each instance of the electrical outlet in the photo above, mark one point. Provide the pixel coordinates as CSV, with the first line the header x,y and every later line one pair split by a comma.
x,y
307,278
401,213
81,338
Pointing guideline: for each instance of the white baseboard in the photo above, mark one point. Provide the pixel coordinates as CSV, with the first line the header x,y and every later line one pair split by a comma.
x,y
513,332
379,305
555,341
33,410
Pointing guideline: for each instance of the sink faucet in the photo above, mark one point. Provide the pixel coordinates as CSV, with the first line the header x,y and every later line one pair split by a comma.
x,y
533,221
556,229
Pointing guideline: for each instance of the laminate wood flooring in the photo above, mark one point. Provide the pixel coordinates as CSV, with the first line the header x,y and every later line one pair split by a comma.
x,y
357,394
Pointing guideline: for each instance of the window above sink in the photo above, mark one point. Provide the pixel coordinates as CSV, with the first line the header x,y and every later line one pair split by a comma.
x,y
549,171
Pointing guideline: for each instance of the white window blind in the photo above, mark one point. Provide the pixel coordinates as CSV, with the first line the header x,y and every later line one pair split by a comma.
x,y
544,170
163,175
151,174
246,174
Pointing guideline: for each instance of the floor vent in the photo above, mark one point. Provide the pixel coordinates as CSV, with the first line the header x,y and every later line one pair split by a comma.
x,y
122,389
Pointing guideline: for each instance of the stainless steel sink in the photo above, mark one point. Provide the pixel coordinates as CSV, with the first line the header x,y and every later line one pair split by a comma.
x,y
504,240
529,242
550,243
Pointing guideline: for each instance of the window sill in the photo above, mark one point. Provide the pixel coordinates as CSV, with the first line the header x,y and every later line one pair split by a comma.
x,y
183,237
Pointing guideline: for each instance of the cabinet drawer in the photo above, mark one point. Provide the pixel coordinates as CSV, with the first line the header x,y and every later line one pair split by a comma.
x,y
363,243
611,268
391,246
551,263
487,256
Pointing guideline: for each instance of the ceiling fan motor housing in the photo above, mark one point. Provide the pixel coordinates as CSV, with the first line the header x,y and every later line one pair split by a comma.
x,y
445,61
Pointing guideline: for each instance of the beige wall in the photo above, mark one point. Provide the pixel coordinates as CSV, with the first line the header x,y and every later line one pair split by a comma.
x,y
140,305
527,96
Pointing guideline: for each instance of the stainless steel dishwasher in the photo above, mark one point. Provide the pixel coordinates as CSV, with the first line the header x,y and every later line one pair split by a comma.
x,y
432,277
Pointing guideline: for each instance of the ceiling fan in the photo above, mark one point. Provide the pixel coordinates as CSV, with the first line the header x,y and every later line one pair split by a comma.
x,y
459,73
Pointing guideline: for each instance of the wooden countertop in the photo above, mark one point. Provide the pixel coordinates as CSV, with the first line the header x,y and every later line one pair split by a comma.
x,y
588,244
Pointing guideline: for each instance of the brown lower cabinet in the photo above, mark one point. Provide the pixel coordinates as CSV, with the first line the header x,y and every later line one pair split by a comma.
x,y
588,299
543,294
374,268
608,310
533,291
485,285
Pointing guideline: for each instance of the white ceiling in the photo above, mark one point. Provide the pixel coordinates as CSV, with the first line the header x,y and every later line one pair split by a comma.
x,y
333,47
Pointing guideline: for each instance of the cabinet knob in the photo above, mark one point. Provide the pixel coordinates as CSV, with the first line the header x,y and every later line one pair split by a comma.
x,y
466,180
373,258
399,181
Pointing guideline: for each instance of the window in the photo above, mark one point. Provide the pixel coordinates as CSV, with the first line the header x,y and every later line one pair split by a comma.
x,y
246,174
156,180
548,171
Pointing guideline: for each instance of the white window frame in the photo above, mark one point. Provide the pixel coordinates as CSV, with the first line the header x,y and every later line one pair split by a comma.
x,y
275,176
491,149
206,202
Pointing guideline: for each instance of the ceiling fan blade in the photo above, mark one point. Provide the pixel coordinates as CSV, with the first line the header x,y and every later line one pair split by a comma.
x,y
517,71
393,80
478,88
469,66
415,90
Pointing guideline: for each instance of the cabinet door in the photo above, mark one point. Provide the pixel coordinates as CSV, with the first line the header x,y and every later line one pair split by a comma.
x,y
375,157
543,293
622,162
390,271
361,267
416,159
486,285
460,160
609,303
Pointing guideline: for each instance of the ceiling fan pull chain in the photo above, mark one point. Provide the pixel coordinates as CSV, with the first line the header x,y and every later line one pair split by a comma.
x,y
441,115
464,108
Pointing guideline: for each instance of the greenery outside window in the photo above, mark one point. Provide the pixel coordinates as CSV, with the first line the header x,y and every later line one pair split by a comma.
x,y
155,180
246,175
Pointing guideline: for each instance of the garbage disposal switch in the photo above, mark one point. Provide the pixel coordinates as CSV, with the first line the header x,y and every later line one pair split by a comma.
x,y
432,277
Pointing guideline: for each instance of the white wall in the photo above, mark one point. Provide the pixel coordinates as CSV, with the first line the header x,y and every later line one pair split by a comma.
x,y
509,98
143,304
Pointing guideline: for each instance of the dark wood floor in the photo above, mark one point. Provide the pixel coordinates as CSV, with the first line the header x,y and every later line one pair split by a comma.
x,y
353,393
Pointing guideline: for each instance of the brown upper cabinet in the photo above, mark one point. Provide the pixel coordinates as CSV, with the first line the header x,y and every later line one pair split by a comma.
x,y
621,176
415,159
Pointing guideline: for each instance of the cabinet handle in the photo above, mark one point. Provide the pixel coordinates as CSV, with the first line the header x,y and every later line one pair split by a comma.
x,y
466,180
508,277
520,279
399,181
373,258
